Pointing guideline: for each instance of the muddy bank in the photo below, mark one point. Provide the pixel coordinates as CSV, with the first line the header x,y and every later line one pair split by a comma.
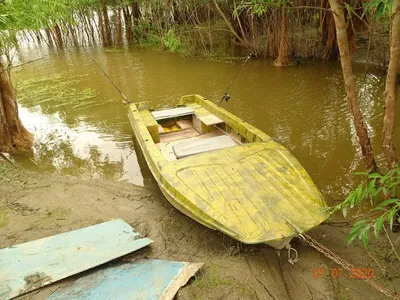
x,y
35,205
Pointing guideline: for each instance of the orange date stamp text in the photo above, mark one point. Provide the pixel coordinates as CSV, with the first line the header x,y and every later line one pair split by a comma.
x,y
360,273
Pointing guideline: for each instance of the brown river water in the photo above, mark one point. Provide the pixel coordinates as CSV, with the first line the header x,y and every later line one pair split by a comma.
x,y
81,126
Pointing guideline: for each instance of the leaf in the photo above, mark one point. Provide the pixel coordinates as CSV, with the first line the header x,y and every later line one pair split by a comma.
x,y
371,186
361,173
378,225
378,208
351,237
344,211
355,231
374,175
388,202
365,237
390,217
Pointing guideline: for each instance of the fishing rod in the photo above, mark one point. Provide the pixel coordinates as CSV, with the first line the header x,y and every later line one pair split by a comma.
x,y
226,97
127,101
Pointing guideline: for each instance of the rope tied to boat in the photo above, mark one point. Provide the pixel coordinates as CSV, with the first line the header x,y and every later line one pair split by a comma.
x,y
291,250
126,101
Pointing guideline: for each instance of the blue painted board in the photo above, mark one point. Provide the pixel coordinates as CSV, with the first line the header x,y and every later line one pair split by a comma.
x,y
28,266
141,280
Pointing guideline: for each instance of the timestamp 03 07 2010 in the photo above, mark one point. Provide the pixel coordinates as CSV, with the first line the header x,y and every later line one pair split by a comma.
x,y
357,273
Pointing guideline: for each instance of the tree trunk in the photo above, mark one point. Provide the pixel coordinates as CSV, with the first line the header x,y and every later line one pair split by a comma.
x,y
229,24
101,25
73,34
59,40
118,27
388,143
14,138
350,85
136,14
107,28
283,53
128,24
329,37
49,37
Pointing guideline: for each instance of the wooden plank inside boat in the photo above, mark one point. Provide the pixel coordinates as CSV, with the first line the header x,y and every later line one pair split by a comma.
x,y
185,149
172,113
177,135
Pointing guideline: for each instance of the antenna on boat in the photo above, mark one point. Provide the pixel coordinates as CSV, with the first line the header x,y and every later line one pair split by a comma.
x,y
126,101
226,97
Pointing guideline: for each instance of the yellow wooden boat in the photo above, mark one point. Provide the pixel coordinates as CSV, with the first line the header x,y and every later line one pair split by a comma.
x,y
225,173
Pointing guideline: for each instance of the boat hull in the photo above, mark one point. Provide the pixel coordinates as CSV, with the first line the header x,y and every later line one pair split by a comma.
x,y
247,192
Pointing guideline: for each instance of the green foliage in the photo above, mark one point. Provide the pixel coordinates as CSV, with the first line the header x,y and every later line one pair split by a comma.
x,y
146,34
379,192
260,7
379,8
172,41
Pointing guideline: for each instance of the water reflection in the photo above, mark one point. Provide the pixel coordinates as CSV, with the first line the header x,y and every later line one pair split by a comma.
x,y
83,150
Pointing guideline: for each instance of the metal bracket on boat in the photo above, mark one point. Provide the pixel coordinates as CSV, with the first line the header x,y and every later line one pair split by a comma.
x,y
291,260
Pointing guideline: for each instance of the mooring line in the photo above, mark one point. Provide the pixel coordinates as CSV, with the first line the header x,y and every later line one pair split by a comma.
x,y
127,101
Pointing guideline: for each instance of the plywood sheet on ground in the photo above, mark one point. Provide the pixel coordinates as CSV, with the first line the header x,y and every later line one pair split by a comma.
x,y
31,265
141,280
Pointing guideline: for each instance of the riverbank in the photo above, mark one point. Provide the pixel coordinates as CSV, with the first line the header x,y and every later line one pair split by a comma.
x,y
34,206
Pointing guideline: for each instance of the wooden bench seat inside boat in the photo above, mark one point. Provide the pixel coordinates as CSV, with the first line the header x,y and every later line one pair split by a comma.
x,y
172,113
168,152
185,149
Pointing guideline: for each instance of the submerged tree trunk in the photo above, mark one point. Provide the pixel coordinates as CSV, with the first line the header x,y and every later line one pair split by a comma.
x,y
118,27
350,85
106,27
101,28
73,34
388,143
329,37
14,138
49,37
128,24
136,14
283,53
59,39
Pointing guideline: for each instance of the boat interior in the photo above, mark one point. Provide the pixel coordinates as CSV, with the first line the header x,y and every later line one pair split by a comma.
x,y
185,131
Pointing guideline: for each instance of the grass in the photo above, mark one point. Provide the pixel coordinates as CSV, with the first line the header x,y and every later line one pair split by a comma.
x,y
211,280
54,91
3,218
8,174
114,50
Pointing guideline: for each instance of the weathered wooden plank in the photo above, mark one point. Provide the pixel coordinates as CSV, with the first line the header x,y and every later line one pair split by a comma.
x,y
210,119
141,280
178,135
185,124
203,145
31,265
172,113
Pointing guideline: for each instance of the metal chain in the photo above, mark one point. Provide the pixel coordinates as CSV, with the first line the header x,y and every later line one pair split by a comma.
x,y
328,253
